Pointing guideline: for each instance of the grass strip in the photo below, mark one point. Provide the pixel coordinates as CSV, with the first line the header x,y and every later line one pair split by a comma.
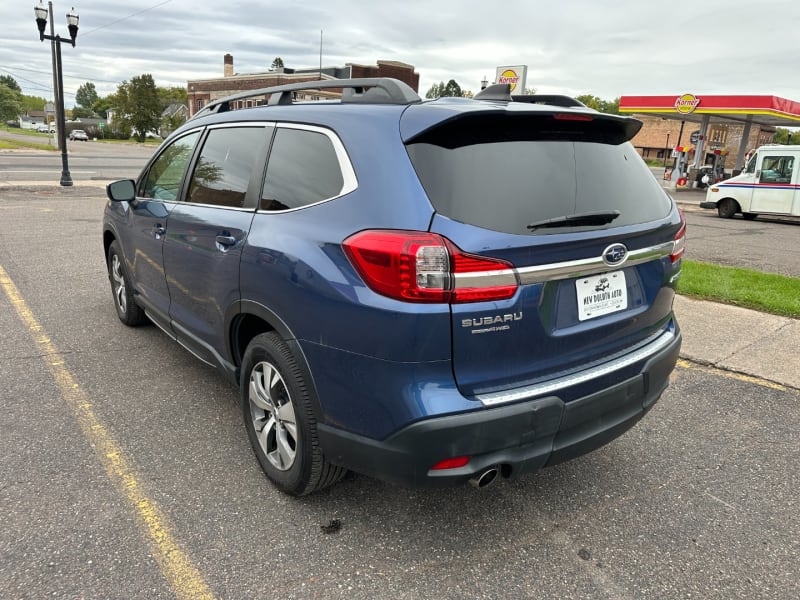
x,y
766,292
11,144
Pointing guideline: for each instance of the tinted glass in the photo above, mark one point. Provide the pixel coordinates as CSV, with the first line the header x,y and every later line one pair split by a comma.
x,y
303,169
164,178
226,163
504,186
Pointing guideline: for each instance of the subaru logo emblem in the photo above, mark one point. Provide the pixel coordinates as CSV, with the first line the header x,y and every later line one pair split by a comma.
x,y
615,255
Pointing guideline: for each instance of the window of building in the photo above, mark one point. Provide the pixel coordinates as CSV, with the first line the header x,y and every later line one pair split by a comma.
x,y
303,169
226,163
199,104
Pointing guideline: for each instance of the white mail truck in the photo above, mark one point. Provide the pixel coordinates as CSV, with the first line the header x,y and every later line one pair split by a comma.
x,y
769,184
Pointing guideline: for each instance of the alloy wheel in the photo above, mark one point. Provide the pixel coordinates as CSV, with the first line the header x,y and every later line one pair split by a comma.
x,y
273,417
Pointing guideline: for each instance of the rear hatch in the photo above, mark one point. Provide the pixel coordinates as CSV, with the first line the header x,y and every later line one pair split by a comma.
x,y
562,196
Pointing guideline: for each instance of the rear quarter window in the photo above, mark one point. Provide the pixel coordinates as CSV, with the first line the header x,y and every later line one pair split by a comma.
x,y
505,185
303,169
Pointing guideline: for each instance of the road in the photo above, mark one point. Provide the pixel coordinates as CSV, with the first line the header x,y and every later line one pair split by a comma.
x,y
126,473
766,244
88,161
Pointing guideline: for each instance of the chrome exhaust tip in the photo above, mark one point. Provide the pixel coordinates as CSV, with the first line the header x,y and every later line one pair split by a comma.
x,y
484,478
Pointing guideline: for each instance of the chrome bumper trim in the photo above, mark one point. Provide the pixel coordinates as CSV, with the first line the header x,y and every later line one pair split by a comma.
x,y
553,385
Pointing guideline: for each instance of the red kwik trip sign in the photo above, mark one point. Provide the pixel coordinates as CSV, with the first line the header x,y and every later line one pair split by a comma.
x,y
686,104
514,76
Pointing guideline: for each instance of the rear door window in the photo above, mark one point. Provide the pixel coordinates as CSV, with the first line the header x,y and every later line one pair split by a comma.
x,y
507,185
225,167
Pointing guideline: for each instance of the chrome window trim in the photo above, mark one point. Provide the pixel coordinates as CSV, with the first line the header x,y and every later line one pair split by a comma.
x,y
590,266
349,180
251,124
560,383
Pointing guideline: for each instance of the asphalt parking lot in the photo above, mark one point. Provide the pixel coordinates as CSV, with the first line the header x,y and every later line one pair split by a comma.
x,y
127,474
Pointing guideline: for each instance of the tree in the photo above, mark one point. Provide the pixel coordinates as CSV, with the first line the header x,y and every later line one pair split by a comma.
x,y
276,64
10,82
30,103
786,136
599,104
79,112
102,105
138,105
86,95
172,95
442,89
10,104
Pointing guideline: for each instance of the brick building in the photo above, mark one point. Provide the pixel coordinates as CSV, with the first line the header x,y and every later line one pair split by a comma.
x,y
202,91
651,141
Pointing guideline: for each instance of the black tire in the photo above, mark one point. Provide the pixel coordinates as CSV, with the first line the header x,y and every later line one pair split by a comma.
x,y
128,311
280,421
749,216
727,207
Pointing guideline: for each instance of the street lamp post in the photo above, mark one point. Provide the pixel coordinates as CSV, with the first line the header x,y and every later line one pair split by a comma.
x,y
72,25
666,150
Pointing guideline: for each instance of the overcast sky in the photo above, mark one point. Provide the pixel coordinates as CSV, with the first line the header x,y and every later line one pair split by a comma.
x,y
638,47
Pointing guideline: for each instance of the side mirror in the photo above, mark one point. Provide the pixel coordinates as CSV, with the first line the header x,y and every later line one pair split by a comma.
x,y
123,190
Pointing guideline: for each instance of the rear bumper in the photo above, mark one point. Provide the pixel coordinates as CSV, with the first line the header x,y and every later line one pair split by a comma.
x,y
520,437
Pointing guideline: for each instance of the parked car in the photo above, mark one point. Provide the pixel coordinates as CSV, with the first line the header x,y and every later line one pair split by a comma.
x,y
45,129
78,135
426,292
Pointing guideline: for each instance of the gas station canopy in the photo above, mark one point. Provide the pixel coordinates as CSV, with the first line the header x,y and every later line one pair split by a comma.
x,y
762,110
770,111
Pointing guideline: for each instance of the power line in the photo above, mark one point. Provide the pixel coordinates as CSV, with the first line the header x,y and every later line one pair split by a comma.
x,y
125,18
2,68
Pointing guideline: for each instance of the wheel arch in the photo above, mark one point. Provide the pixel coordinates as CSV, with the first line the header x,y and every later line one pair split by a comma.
x,y
246,319
108,238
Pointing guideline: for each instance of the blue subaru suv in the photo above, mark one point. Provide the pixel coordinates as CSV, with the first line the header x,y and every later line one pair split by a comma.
x,y
426,292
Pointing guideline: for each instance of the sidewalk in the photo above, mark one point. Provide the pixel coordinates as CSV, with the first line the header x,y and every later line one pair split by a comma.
x,y
740,340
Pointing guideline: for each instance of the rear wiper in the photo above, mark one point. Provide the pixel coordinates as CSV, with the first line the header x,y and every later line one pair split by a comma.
x,y
589,218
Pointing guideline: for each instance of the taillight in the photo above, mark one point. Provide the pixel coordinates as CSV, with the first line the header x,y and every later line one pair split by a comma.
x,y
679,241
451,463
572,117
418,266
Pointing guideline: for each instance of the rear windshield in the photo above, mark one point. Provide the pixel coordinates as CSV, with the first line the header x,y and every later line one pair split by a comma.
x,y
507,185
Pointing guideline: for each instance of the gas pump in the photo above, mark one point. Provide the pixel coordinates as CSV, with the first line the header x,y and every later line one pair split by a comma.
x,y
716,158
680,173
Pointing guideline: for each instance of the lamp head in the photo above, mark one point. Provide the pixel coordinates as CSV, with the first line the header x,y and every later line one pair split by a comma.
x,y
41,19
72,25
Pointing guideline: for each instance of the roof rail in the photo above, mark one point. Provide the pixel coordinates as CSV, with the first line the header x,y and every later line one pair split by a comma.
x,y
501,92
370,90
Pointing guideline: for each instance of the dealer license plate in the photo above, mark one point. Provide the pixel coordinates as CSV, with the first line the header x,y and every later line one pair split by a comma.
x,y
601,295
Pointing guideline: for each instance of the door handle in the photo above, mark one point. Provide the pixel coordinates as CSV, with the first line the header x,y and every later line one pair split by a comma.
x,y
158,231
226,240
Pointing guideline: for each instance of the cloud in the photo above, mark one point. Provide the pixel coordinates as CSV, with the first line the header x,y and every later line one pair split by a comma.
x,y
572,47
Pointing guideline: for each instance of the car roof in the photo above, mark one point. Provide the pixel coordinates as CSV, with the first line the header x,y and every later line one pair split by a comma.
x,y
381,99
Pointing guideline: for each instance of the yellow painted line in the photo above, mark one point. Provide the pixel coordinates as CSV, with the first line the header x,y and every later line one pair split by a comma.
x,y
685,364
183,577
